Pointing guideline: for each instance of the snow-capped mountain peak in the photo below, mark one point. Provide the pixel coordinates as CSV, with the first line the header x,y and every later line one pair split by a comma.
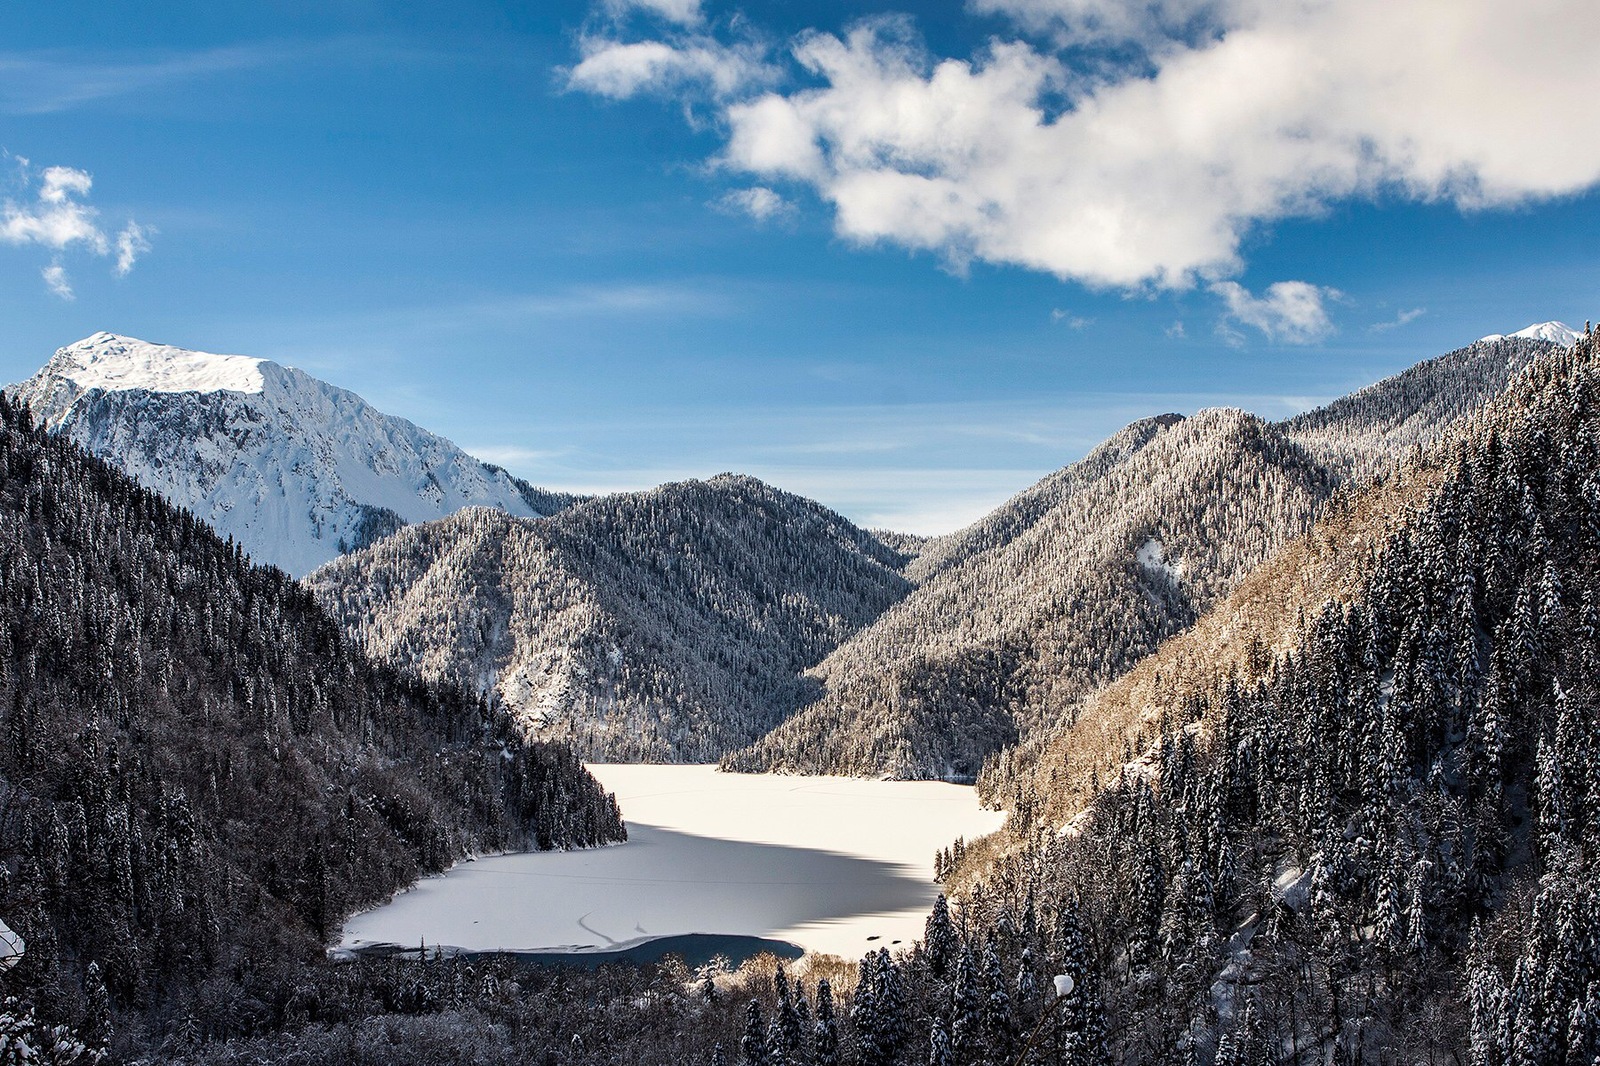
x,y
115,363
295,470
1555,332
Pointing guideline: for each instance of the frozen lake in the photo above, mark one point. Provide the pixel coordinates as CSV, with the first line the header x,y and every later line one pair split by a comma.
x,y
830,864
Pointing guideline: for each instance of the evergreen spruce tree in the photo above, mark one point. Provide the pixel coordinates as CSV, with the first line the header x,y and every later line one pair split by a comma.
x,y
777,1045
753,1045
97,1024
806,1037
939,938
966,1011
866,1021
892,1007
827,1027
999,1025
786,1022
939,1053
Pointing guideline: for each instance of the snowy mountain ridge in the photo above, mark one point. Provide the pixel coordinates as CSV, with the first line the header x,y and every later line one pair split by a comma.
x,y
295,470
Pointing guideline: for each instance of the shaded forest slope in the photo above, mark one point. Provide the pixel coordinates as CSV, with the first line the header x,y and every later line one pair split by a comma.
x,y
200,777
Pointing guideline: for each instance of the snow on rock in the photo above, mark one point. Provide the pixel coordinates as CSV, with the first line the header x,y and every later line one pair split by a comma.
x,y
1292,888
292,468
11,948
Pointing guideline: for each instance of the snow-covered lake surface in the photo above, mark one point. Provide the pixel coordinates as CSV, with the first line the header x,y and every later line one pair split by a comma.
x,y
831,864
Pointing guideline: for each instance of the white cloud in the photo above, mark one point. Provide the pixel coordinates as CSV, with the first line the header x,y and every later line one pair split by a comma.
x,y
683,12
57,218
1403,318
619,70
1290,311
1234,113
57,184
759,202
132,242
1146,22
55,277
1078,322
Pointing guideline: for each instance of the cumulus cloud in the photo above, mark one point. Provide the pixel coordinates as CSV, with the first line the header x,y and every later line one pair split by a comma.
x,y
1088,22
1231,113
56,280
57,218
1293,312
619,70
758,202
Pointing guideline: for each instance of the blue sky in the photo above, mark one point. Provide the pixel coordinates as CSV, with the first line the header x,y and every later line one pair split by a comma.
x,y
566,236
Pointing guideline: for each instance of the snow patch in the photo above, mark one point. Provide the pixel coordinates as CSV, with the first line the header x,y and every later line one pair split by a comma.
x,y
1152,557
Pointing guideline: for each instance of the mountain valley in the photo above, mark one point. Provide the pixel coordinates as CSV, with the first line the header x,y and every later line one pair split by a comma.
x,y
1292,724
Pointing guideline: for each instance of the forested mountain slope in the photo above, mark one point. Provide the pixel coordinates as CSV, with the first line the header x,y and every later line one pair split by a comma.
x,y
1354,813
1361,433
1080,576
1073,581
199,776
668,625
295,470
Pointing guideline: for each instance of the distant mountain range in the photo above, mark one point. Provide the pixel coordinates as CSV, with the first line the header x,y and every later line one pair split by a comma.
x,y
726,619
292,468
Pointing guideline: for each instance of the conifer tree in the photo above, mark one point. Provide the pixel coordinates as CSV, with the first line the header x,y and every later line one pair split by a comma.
x,y
939,1053
939,938
827,1028
753,1045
